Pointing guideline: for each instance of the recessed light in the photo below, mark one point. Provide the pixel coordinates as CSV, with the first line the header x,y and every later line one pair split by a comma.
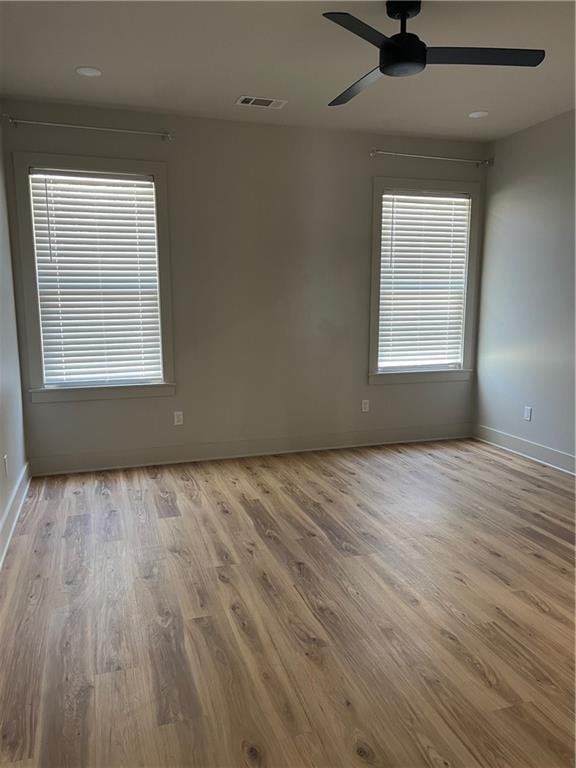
x,y
88,71
478,115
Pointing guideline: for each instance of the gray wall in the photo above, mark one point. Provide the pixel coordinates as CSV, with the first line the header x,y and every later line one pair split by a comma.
x,y
12,483
526,343
270,249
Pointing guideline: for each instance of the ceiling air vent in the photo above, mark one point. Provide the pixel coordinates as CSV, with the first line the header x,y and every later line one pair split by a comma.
x,y
255,101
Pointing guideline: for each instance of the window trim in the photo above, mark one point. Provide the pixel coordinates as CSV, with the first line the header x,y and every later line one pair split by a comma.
x,y
38,391
384,184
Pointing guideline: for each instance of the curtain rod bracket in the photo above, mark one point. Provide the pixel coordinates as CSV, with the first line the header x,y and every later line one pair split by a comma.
x,y
11,121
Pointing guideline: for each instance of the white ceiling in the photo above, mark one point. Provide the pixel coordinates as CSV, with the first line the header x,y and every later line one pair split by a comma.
x,y
197,57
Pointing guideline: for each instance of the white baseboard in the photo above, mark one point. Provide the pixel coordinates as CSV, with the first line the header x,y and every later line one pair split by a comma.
x,y
10,514
175,454
541,453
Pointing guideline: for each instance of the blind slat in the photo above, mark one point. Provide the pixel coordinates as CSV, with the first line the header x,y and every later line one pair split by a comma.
x,y
97,274
423,273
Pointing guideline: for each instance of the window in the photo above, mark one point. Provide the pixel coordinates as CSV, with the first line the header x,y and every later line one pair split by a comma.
x,y
98,308
423,244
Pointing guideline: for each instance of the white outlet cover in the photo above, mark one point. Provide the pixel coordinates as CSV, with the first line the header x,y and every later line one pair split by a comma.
x,y
178,418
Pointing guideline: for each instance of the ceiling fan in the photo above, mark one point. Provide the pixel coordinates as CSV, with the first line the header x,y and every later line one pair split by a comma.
x,y
405,54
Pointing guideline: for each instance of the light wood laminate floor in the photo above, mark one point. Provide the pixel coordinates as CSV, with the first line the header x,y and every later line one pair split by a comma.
x,y
398,607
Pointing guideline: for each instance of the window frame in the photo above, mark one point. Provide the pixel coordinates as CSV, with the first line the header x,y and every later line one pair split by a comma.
x,y
38,391
382,185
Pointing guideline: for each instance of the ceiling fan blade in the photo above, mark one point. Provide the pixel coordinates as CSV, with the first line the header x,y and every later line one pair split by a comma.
x,y
357,27
357,87
500,57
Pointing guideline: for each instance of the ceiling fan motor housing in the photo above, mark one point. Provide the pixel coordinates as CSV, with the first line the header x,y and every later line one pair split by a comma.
x,y
404,54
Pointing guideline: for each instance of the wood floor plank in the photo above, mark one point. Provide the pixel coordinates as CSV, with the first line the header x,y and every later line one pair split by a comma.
x,y
250,626
174,686
408,606
240,730
124,726
67,692
115,636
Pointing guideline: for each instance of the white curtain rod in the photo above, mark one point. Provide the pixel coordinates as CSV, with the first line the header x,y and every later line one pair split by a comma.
x,y
477,163
14,121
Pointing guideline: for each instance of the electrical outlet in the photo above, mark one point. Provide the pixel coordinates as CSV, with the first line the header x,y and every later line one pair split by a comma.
x,y
5,462
365,406
178,418
527,413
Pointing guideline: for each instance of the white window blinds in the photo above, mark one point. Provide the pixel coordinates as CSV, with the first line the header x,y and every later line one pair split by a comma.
x,y
423,271
97,275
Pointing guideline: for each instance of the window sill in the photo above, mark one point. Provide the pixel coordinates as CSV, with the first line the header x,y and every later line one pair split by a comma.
x,y
420,377
105,392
